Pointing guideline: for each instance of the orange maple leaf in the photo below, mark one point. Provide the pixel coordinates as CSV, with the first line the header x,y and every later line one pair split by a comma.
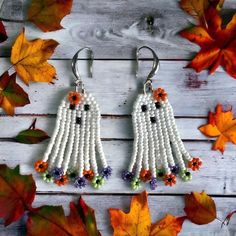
x,y
30,59
200,208
196,8
47,14
11,94
138,221
222,125
218,45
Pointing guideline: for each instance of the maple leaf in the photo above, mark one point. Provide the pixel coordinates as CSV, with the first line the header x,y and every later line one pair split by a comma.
x,y
32,135
218,45
30,59
196,8
138,221
3,34
222,125
47,14
200,208
51,220
11,94
17,193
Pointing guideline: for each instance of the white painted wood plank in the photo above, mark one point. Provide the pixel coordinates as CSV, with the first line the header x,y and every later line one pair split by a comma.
x,y
114,29
12,15
115,87
111,127
12,29
159,207
217,176
11,10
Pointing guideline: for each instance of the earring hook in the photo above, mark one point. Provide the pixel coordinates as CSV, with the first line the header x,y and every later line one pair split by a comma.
x,y
78,82
155,67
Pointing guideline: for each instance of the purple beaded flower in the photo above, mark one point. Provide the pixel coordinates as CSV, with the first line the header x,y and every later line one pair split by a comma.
x,y
80,182
175,169
106,172
57,173
153,183
127,175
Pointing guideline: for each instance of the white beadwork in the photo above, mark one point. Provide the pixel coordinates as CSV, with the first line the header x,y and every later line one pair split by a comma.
x,y
157,143
76,142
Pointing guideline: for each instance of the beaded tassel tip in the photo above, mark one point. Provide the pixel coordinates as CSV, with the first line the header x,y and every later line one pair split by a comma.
x,y
75,153
158,151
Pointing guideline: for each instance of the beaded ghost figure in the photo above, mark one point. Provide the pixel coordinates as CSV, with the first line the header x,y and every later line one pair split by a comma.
x,y
158,151
75,144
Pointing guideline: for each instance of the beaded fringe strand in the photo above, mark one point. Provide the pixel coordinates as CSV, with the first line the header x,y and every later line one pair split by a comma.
x,y
158,151
75,145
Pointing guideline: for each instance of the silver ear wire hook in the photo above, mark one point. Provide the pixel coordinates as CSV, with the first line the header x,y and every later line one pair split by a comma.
x,y
155,68
78,82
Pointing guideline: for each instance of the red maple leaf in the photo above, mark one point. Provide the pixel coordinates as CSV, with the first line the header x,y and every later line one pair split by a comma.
x,y
218,44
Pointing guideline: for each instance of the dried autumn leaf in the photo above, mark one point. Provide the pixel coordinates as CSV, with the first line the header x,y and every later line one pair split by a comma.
x,y
169,225
138,221
17,193
222,125
51,220
218,45
47,14
11,94
3,34
228,218
30,59
200,208
32,135
88,216
196,8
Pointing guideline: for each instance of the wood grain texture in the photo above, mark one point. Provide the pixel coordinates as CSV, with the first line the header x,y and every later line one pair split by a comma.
x,y
111,127
217,176
114,28
159,206
115,87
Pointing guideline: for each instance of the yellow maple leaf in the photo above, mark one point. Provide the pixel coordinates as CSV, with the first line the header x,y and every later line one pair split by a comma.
x,y
138,221
30,59
222,125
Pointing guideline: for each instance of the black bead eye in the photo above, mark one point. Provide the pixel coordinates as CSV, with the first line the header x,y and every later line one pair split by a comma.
x,y
86,107
72,107
144,108
153,119
78,120
158,105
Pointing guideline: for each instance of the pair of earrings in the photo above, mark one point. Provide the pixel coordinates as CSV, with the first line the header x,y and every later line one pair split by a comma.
x,y
75,151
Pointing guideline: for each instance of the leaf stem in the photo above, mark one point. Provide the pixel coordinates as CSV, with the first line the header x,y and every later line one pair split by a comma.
x,y
32,126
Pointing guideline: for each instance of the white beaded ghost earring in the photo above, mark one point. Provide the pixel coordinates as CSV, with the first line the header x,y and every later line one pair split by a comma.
x,y
75,144
158,151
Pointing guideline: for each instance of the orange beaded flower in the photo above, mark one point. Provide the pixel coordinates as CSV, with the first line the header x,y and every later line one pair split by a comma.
x,y
88,174
62,181
195,163
40,166
160,94
74,98
170,180
145,175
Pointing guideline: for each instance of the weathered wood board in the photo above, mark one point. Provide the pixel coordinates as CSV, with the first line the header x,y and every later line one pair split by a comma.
x,y
114,29
159,205
115,87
